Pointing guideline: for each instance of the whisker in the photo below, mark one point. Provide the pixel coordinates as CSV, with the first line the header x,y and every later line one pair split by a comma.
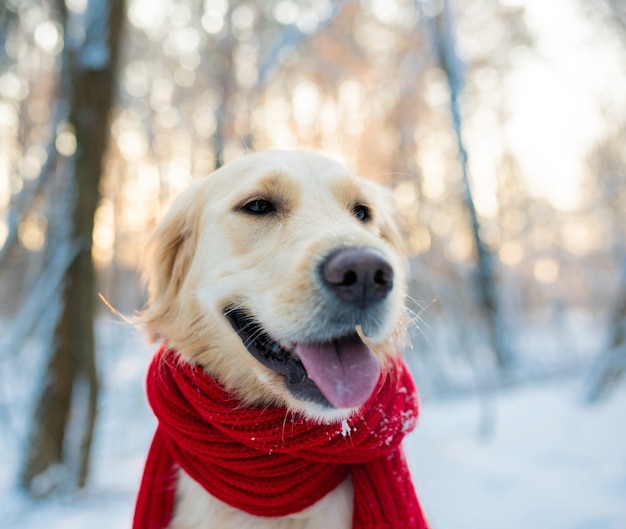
x,y
417,321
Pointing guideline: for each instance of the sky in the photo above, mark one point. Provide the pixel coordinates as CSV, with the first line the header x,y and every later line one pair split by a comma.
x,y
563,97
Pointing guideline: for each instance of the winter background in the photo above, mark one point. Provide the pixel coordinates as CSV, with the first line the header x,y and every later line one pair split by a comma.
x,y
532,455
499,126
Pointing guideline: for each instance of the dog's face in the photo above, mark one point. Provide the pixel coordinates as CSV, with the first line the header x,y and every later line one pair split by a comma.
x,y
283,275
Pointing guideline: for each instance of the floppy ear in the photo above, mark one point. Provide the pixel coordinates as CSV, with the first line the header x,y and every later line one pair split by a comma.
x,y
168,259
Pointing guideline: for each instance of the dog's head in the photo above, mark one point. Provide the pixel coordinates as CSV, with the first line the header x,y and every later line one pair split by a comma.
x,y
283,275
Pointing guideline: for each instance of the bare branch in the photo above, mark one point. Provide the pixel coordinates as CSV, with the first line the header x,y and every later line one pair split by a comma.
x,y
445,50
290,38
40,297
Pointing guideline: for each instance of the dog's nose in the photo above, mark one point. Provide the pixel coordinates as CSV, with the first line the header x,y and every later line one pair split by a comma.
x,y
358,275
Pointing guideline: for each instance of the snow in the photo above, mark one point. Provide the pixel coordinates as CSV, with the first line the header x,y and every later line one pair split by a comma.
x,y
549,461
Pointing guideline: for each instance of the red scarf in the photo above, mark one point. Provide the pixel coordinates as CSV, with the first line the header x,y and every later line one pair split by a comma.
x,y
271,462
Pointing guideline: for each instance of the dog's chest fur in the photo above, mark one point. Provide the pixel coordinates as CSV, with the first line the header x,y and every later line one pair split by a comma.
x,y
197,509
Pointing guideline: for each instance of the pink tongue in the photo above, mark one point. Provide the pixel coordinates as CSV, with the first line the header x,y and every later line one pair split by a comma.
x,y
344,370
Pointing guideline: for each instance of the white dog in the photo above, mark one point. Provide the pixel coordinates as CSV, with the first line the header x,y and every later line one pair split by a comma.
x,y
283,276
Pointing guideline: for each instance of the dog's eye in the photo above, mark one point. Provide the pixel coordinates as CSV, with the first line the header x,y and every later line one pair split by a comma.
x,y
361,212
259,207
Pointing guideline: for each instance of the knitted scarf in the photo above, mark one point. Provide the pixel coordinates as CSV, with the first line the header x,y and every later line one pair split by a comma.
x,y
270,461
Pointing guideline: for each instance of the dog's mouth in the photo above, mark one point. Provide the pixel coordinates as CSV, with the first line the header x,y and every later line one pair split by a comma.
x,y
339,373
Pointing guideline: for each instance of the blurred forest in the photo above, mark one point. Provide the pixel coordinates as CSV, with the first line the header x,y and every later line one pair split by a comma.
x,y
500,126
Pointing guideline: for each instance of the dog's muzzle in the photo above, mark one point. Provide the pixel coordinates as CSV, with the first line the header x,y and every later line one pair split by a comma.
x,y
330,364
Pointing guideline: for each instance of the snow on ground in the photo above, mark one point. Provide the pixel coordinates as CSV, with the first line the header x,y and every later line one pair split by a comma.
x,y
549,461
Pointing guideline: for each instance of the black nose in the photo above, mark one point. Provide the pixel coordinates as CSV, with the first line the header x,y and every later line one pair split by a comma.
x,y
358,275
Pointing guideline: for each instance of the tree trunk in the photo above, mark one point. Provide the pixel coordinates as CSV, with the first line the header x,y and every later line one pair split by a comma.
x,y
486,277
611,365
72,364
227,84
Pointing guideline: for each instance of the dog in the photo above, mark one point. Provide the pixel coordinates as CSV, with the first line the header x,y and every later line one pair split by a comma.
x,y
251,274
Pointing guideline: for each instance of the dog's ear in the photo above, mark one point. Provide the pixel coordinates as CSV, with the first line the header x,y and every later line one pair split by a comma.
x,y
168,259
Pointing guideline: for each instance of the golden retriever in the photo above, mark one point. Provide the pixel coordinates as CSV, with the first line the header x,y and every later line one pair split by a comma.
x,y
274,251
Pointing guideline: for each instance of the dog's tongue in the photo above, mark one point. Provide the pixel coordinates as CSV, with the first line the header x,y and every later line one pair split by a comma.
x,y
344,370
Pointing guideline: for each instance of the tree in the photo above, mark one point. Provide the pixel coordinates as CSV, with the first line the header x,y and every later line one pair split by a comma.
x,y
71,367
445,49
607,161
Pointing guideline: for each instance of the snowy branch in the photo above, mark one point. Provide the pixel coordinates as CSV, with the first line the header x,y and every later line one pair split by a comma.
x,y
25,198
445,49
94,54
92,47
293,35
40,297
